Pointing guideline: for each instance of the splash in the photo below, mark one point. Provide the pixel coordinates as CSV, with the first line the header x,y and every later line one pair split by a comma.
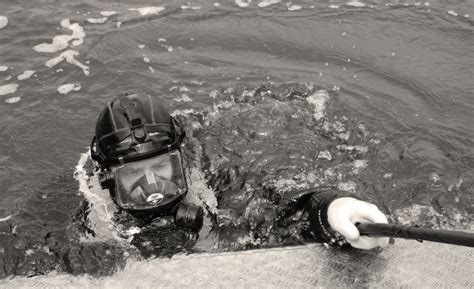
x,y
69,56
3,22
150,10
8,89
61,42
318,100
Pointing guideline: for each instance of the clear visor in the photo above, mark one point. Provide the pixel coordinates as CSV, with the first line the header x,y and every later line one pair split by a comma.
x,y
148,183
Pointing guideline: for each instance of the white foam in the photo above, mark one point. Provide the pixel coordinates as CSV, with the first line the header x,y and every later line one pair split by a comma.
x,y
3,21
61,42
184,7
97,20
213,94
14,99
146,59
359,165
3,68
334,6
161,40
168,47
217,4
103,209
355,4
325,155
318,101
243,3
349,186
150,10
68,87
8,88
69,56
451,12
141,46
267,3
151,69
108,13
119,23
184,98
26,74
294,8
6,218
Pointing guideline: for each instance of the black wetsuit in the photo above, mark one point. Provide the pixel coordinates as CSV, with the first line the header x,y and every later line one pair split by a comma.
x,y
316,202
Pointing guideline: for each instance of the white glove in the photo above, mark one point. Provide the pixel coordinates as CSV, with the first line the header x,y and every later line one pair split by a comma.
x,y
343,213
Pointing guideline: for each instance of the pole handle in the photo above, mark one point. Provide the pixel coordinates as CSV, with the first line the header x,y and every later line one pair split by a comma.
x,y
416,233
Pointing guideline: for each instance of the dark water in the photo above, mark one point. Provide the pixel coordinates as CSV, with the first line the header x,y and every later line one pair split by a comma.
x,y
397,125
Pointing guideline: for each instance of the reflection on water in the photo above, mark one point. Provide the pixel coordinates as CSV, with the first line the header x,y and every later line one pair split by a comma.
x,y
275,95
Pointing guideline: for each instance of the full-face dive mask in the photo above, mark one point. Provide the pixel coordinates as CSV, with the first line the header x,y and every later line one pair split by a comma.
x,y
137,146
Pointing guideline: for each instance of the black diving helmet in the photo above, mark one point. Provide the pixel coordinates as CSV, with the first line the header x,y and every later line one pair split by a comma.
x,y
137,145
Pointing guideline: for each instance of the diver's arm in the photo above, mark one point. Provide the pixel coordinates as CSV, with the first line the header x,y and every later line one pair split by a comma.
x,y
332,216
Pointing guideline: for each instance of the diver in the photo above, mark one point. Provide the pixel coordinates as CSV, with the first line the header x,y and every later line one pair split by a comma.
x,y
138,150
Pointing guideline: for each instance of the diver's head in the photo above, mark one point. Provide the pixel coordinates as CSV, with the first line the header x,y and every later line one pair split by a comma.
x,y
137,145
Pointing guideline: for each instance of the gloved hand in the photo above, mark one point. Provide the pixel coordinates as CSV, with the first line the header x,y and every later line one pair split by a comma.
x,y
344,212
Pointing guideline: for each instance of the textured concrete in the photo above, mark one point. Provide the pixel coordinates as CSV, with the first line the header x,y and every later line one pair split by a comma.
x,y
406,264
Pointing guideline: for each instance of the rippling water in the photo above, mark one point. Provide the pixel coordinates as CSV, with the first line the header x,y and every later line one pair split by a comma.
x,y
396,128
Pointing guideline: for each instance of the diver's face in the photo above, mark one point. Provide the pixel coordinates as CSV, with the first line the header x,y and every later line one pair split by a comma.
x,y
146,183
160,165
